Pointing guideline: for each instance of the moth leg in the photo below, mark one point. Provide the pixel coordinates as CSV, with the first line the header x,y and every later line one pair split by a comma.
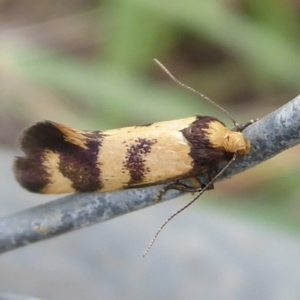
x,y
162,192
241,127
207,178
195,186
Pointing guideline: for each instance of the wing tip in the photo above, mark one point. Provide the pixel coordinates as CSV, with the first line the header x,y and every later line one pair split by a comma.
x,y
35,140
30,174
40,136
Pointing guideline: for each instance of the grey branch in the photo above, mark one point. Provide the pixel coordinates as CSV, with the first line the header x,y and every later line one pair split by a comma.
x,y
273,134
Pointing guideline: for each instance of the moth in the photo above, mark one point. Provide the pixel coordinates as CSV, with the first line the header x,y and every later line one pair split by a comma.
x,y
60,159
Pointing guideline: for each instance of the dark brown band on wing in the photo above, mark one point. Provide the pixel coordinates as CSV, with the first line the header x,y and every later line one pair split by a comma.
x,y
80,165
134,161
205,156
77,156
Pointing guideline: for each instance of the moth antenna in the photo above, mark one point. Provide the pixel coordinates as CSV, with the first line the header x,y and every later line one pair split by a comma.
x,y
187,205
196,92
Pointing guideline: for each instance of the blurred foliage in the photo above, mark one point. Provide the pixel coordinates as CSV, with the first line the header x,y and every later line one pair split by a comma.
x,y
90,64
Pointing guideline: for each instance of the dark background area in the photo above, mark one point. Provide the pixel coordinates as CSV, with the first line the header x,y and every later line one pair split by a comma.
x,y
89,64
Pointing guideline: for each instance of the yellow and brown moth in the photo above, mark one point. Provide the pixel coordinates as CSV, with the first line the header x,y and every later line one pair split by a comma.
x,y
60,159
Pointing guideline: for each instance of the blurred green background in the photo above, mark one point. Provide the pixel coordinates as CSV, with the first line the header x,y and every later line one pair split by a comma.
x,y
89,64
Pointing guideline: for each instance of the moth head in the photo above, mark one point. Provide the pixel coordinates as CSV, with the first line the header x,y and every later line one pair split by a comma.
x,y
231,141
235,142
